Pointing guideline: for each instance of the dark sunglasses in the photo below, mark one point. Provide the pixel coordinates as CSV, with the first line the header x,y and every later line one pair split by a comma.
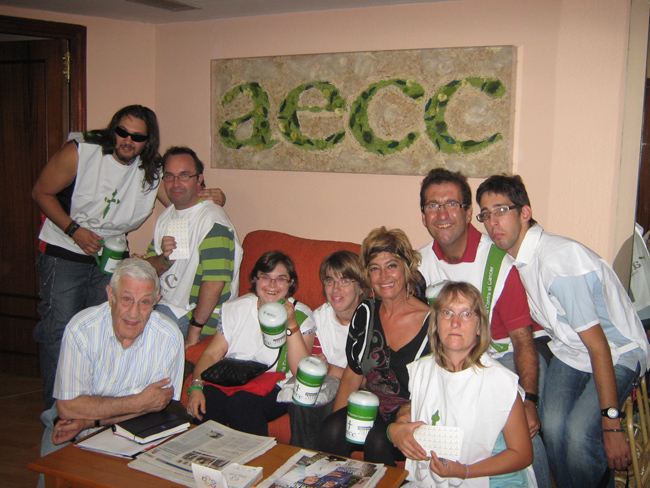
x,y
134,137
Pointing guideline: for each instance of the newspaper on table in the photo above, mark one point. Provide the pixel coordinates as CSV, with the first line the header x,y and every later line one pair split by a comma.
x,y
210,444
308,469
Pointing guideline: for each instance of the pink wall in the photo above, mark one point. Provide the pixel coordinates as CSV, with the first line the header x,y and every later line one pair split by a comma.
x,y
570,92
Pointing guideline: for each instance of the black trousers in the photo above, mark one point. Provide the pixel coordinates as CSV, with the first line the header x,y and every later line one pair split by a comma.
x,y
243,411
377,449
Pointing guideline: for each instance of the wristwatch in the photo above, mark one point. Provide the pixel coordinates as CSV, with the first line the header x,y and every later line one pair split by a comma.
x,y
532,397
611,413
195,323
291,331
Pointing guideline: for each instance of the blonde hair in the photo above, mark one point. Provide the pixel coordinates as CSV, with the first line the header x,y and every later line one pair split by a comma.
x,y
447,295
396,244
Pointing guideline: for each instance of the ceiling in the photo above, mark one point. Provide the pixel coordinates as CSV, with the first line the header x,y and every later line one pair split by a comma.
x,y
209,9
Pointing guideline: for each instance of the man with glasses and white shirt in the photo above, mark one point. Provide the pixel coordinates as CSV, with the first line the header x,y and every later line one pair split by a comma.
x,y
195,286
597,339
459,252
118,360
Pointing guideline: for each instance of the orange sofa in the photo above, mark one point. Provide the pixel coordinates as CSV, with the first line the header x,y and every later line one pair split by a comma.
x,y
307,254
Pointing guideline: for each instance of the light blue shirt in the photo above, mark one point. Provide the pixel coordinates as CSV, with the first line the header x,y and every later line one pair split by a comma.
x,y
93,362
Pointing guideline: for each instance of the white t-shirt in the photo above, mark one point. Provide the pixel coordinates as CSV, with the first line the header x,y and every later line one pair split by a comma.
x,y
108,198
176,283
332,335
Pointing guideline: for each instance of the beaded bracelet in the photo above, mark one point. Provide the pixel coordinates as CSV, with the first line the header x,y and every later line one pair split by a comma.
x,y
195,387
388,435
613,430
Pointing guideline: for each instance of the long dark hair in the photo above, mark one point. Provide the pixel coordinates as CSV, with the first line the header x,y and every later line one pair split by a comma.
x,y
150,161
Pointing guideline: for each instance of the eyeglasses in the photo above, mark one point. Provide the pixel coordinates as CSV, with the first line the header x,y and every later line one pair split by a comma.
x,y
450,206
144,304
485,215
465,316
344,283
134,137
168,177
280,280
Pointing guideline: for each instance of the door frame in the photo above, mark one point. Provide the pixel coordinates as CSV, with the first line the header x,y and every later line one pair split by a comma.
x,y
76,37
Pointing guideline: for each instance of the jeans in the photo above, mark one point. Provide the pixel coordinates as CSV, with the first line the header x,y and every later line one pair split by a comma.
x,y
47,446
67,288
183,322
540,459
570,415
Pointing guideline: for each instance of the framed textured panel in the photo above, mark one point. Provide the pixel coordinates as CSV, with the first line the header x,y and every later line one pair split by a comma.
x,y
383,112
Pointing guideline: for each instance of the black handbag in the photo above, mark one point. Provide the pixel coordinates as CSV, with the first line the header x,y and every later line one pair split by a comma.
x,y
235,372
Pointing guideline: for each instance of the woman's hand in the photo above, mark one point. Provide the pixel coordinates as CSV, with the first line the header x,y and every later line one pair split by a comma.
x,y
447,469
401,433
291,315
196,404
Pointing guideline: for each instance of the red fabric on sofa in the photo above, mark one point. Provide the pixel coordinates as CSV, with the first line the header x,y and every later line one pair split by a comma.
x,y
307,255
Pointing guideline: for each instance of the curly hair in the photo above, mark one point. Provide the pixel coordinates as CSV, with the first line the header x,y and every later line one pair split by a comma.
x,y
396,243
450,293
150,161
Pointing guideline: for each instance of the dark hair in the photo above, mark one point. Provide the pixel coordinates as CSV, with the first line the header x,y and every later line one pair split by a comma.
x,y
177,151
441,175
150,158
511,186
447,295
348,265
267,263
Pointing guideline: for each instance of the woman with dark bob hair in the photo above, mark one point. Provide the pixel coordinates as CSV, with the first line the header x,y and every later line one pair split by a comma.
x,y
239,336
459,385
387,332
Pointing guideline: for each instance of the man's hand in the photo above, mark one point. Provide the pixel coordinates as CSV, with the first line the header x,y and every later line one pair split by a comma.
x,y
532,418
214,194
618,450
401,433
88,241
168,245
155,397
66,430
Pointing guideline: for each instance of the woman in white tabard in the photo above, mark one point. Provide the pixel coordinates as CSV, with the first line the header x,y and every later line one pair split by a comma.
x,y
459,385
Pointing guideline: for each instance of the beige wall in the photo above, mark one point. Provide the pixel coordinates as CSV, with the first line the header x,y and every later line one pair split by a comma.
x,y
569,106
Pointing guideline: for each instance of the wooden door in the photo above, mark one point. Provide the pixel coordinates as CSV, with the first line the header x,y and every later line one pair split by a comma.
x,y
34,122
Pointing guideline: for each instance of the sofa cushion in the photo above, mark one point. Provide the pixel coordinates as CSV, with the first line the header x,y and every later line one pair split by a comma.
x,y
307,255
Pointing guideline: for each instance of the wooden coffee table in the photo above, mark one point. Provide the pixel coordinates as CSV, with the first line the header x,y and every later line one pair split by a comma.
x,y
73,467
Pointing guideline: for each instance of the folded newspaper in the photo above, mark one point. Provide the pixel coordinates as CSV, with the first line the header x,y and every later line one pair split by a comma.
x,y
210,444
307,469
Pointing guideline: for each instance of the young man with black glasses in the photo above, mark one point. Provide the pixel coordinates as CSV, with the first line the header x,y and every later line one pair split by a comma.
x,y
597,339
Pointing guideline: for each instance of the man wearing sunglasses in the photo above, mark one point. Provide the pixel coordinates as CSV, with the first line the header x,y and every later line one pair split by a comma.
x,y
598,343
196,284
459,252
104,185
